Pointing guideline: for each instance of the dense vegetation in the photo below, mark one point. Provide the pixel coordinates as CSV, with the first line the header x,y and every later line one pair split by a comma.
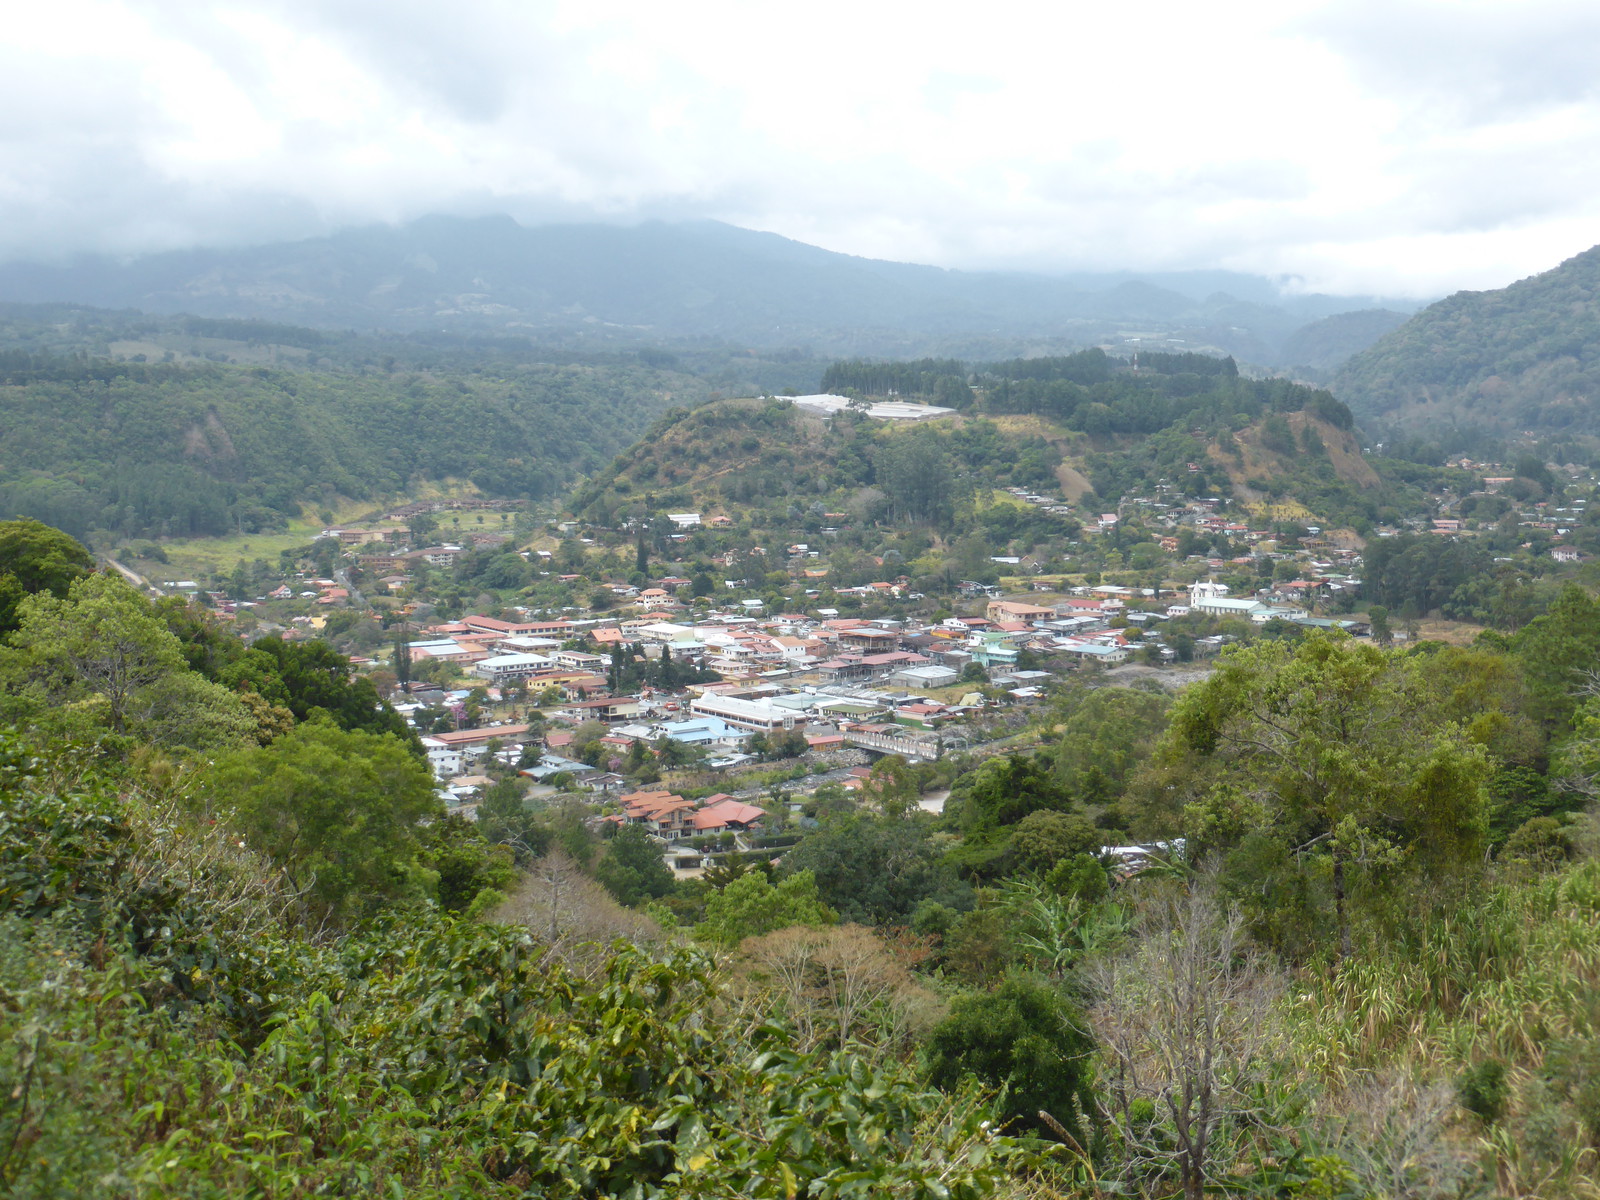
x,y
1522,358
1323,346
184,450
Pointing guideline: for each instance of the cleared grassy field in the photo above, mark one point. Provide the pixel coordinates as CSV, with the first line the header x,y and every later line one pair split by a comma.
x,y
189,560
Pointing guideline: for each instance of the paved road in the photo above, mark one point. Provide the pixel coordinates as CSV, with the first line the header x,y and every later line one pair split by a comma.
x,y
133,577
356,597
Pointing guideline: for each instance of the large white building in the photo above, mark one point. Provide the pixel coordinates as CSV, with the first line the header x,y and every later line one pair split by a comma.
x,y
757,716
1208,596
512,666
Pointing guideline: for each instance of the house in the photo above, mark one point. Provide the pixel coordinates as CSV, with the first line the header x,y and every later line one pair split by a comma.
x,y
868,639
499,628
553,764
990,648
442,650
921,715
577,660
691,731
471,741
438,556
504,667
658,598
1014,610
724,815
610,709
1098,652
663,814
445,759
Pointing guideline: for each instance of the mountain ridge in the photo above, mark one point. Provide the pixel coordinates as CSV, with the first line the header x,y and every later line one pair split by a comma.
x,y
1525,357
687,280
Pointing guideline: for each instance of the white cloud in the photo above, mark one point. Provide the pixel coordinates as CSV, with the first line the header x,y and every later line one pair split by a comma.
x,y
1409,147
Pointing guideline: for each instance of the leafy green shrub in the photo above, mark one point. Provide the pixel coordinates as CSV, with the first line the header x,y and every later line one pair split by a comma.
x,y
1484,1091
1027,1039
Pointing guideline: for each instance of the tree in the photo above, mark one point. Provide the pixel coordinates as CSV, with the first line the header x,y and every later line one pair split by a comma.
x,y
1338,742
423,526
338,811
892,786
503,817
569,912
1026,1037
402,657
876,870
1104,735
1004,790
1554,650
1184,1020
472,873
917,475
34,557
101,639
102,657
316,676
836,985
1378,619
751,906
633,870
1043,838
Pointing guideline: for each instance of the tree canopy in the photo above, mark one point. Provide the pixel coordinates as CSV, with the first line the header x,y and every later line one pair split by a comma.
x,y
1334,745
340,813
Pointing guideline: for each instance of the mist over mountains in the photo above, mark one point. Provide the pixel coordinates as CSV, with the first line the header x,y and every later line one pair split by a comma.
x,y
661,282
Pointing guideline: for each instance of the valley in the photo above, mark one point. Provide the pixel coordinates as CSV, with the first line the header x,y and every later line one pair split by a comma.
x,y
623,756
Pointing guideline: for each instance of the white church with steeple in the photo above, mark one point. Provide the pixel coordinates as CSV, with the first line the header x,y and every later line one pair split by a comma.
x,y
1209,596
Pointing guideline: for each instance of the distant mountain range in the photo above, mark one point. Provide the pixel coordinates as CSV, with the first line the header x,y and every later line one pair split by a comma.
x,y
1522,359
660,283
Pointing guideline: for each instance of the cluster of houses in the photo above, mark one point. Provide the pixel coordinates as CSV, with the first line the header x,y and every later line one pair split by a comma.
x,y
835,682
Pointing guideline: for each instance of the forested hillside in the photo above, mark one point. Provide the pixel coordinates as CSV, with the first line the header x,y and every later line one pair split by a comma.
x,y
1325,345
204,449
1523,358
133,336
1186,424
763,458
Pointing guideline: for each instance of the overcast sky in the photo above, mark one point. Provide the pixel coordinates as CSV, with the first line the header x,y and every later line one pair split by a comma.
x,y
1398,147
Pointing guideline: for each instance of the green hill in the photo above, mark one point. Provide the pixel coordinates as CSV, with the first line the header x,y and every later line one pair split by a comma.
x,y
1525,357
1327,344
1087,427
776,466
